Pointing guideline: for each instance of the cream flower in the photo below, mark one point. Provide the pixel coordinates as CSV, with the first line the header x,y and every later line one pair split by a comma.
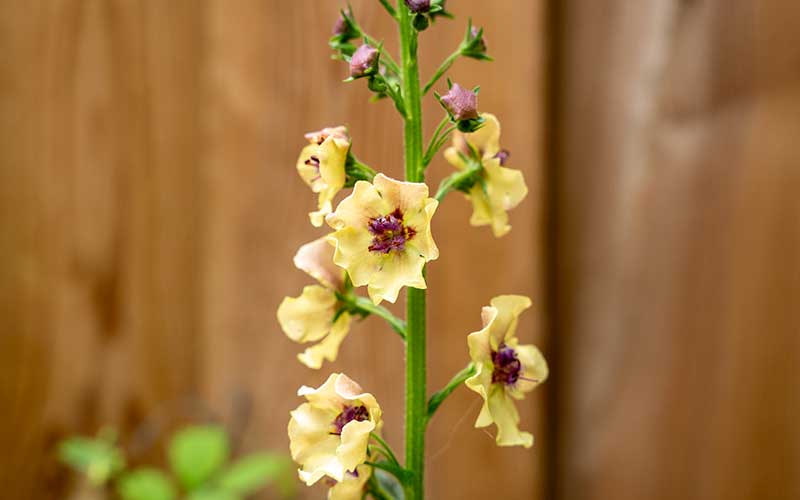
x,y
352,487
499,189
383,235
329,433
312,317
321,165
505,369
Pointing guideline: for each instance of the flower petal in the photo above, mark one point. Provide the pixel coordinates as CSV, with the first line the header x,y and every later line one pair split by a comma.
x,y
407,196
487,138
352,487
309,173
364,203
534,370
328,349
353,449
309,317
316,259
397,269
506,418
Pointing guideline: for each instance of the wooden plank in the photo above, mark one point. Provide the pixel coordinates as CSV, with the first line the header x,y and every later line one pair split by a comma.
x,y
677,254
100,192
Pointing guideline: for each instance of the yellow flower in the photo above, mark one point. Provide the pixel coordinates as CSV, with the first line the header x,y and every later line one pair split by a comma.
x,y
383,235
499,189
352,487
312,317
329,433
321,165
505,369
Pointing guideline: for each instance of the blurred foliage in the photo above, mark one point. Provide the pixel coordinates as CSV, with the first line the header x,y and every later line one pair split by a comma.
x,y
199,462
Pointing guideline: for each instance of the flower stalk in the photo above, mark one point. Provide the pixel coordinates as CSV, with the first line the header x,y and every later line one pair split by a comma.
x,y
416,399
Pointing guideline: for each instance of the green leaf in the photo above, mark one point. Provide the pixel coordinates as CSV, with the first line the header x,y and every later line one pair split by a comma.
x,y
99,459
253,472
389,484
145,484
196,453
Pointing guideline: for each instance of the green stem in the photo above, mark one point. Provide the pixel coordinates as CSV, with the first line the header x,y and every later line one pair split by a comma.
x,y
416,404
365,306
389,8
458,379
457,179
386,448
442,69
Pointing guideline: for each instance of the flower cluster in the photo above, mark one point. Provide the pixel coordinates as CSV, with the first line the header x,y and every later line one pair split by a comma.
x,y
380,237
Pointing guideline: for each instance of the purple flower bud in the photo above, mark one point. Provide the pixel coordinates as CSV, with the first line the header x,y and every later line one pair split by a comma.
x,y
418,6
480,44
364,61
461,103
340,27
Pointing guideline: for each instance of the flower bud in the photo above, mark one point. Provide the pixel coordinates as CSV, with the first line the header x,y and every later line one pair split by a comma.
x,y
418,6
340,27
461,103
476,36
474,44
364,61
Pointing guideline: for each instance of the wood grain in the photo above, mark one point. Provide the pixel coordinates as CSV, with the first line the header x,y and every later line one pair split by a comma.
x,y
677,266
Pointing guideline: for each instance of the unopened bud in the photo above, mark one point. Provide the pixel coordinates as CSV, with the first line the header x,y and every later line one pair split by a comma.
x,y
418,6
461,103
479,40
364,61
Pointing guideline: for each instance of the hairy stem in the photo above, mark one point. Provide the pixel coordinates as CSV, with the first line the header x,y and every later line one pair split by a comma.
x,y
416,404
365,306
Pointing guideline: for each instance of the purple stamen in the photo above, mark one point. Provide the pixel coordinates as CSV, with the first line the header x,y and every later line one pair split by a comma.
x,y
389,233
507,367
349,413
503,155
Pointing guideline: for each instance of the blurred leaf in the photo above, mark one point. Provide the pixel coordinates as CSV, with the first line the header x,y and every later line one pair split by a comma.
x,y
253,472
98,458
389,484
145,484
212,494
196,453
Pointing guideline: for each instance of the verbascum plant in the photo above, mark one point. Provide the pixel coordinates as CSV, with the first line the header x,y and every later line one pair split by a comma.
x,y
382,239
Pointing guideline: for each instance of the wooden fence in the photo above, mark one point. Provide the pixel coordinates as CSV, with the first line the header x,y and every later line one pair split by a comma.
x,y
149,211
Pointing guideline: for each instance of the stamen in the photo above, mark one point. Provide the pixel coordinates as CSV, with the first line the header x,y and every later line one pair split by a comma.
x,y
389,233
503,155
507,367
349,413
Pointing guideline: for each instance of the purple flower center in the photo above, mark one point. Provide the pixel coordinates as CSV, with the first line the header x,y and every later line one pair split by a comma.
x,y
507,367
350,413
389,233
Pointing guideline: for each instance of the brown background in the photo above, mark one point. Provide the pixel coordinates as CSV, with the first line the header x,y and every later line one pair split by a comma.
x,y
149,211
